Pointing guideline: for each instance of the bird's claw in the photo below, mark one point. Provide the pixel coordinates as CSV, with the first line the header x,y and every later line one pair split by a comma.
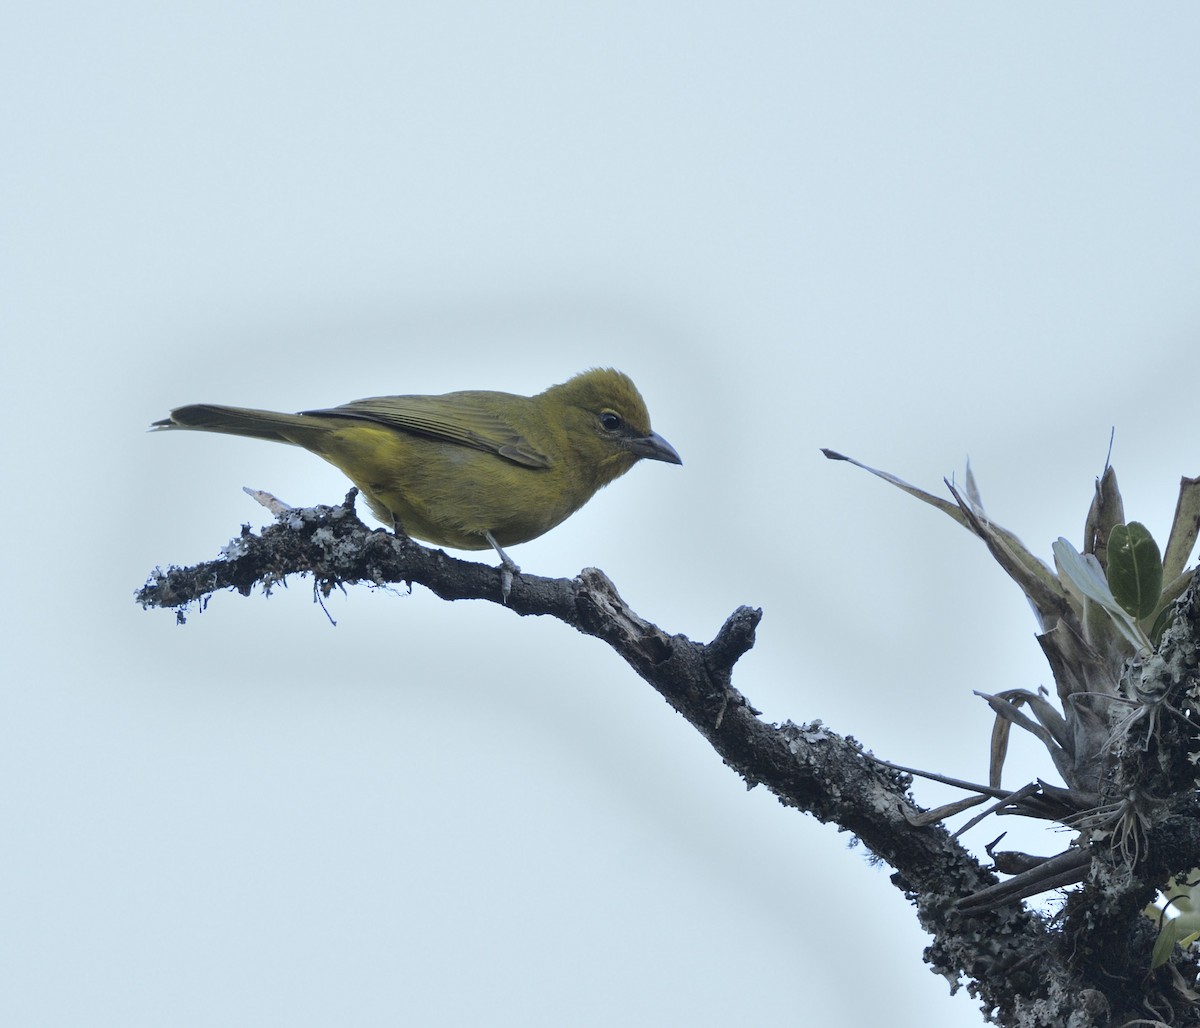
x,y
508,568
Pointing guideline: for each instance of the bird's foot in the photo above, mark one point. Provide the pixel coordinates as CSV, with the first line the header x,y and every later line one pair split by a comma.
x,y
508,567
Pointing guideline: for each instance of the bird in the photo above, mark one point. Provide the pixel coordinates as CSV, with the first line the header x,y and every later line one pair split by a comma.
x,y
471,469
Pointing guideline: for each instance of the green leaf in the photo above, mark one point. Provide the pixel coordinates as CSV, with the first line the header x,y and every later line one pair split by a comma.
x,y
1161,623
1135,568
1164,945
1084,573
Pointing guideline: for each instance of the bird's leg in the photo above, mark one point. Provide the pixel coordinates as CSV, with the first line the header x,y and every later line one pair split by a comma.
x,y
508,567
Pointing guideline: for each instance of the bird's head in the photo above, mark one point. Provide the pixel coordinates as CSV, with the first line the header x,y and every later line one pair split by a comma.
x,y
607,422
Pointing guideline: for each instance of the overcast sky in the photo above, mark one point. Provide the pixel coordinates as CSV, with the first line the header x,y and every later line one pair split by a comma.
x,y
913,232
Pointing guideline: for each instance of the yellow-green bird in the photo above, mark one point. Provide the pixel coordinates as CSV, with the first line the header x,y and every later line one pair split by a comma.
x,y
469,469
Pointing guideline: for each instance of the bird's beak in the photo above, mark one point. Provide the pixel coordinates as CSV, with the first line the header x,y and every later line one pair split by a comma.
x,y
655,447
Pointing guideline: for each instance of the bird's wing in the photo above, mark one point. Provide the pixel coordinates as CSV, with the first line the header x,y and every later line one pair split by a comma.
x,y
455,417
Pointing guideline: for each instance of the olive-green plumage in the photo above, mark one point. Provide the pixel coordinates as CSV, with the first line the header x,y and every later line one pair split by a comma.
x,y
458,468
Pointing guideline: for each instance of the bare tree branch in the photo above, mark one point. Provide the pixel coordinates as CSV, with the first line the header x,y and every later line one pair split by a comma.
x,y
1024,969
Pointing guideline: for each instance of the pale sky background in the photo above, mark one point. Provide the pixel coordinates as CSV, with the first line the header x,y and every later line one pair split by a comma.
x,y
913,232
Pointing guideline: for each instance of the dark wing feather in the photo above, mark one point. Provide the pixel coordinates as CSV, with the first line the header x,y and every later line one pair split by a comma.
x,y
462,418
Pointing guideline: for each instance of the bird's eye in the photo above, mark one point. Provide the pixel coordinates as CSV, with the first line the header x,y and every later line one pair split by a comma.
x,y
610,420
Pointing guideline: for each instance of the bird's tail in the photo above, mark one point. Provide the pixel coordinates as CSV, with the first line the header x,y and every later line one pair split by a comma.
x,y
257,424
